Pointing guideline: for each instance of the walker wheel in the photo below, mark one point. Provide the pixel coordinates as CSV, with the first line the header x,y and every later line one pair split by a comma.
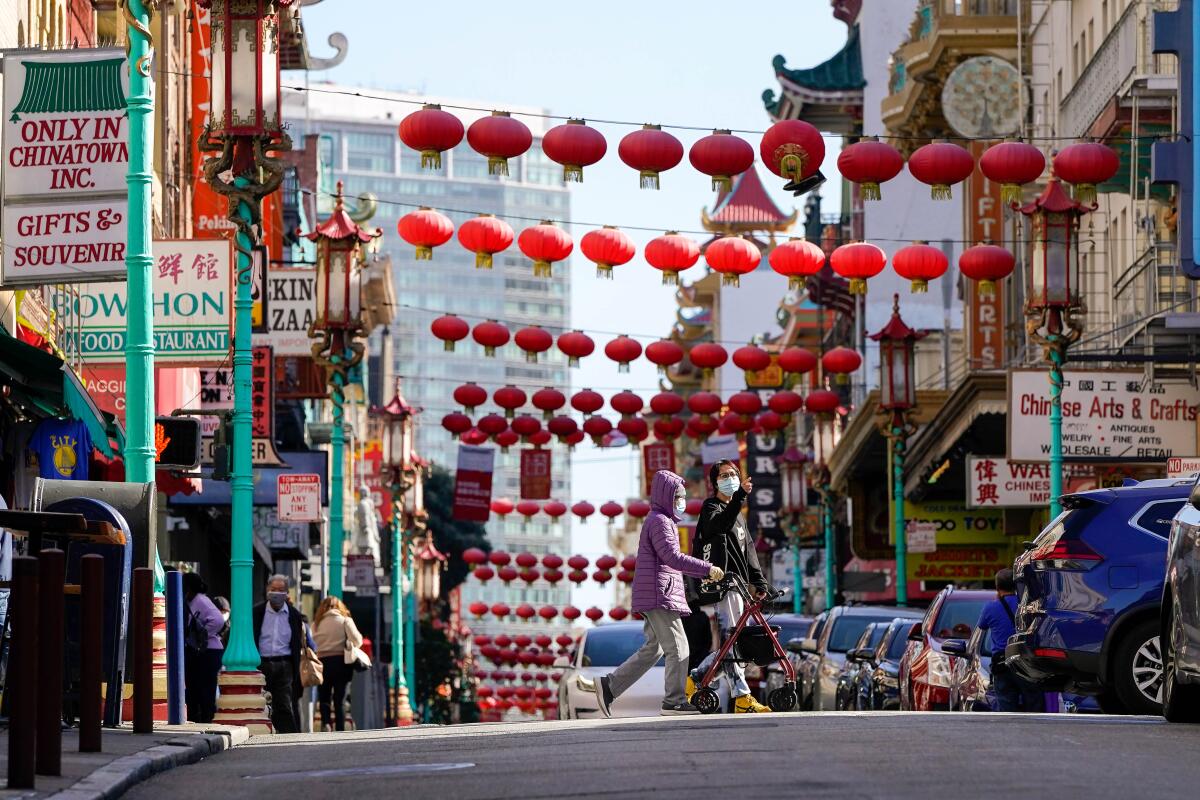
x,y
705,701
783,699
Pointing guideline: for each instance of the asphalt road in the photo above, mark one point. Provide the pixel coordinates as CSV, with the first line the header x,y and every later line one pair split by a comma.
x,y
842,755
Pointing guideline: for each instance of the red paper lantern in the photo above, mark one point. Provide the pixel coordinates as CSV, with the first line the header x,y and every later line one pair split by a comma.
x,y
841,361
638,509
594,614
500,610
629,563
552,561
533,340
575,146
986,263
733,257
473,557
704,403
478,609
554,509
525,612
606,562
771,421
626,403
545,243
503,641
526,560
634,428
562,427
510,398
425,229
597,427
664,353
618,613
470,396
583,509
492,424
721,155
587,401
747,404
694,504
577,576
540,438
432,132
502,506
625,576
668,429
868,163
602,576
548,401
797,361
578,562
666,403
700,428
785,402
941,165
708,357
575,345
499,137
623,349
671,254
569,613
1084,165
491,335
473,436
547,613
735,423
506,439
526,426
822,401
530,576
484,574
607,247
528,509
856,262
485,236
751,359
796,259
449,329
457,424
500,559
920,263
650,151
1012,164
792,149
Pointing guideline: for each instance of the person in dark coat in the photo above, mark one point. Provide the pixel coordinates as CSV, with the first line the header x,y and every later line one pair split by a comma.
x,y
279,633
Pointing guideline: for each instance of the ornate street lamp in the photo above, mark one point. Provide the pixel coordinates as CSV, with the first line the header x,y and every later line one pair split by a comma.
x,y
1053,299
897,399
795,489
429,565
398,423
336,327
243,129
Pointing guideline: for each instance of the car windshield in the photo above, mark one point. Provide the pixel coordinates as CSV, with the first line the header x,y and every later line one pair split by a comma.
x,y
846,631
898,643
956,619
790,629
609,646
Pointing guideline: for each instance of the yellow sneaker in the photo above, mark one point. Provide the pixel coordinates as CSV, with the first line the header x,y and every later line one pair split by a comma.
x,y
746,704
689,688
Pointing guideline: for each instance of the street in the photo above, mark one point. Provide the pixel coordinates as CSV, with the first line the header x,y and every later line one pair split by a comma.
x,y
884,755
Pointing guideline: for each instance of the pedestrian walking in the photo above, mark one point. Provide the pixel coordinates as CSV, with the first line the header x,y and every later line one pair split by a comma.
x,y
337,637
222,605
658,596
722,538
998,618
280,636
203,649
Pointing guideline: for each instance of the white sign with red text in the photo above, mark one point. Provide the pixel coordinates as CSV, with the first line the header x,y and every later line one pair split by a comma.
x,y
1107,416
299,498
999,483
920,537
1182,467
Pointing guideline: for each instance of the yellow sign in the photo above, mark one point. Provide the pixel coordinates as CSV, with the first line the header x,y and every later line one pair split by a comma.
x,y
960,564
955,524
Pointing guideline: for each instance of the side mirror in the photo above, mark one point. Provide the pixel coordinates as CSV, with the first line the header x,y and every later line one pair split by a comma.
x,y
862,654
1194,498
914,633
809,646
955,647
795,646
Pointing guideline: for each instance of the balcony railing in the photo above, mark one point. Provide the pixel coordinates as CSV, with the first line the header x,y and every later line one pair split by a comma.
x,y
1152,285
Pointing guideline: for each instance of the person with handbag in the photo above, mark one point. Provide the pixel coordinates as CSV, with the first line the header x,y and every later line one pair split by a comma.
x,y
203,649
339,646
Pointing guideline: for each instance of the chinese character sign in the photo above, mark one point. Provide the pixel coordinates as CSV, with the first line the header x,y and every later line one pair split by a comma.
x,y
262,408
473,483
656,456
535,474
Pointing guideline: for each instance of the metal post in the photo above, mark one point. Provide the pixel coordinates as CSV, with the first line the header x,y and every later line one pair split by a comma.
x,y
1055,351
175,666
91,650
898,445
143,650
23,674
410,625
52,569
797,577
337,379
830,549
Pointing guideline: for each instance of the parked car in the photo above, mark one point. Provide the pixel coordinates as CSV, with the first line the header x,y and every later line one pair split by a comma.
x,y
971,675
823,653
1090,588
858,660
804,666
924,668
791,627
1180,615
882,692
600,650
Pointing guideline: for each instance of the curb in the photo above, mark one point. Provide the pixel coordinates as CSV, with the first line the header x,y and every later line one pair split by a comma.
x,y
117,777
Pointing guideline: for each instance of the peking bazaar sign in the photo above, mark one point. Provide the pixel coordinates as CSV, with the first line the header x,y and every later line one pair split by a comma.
x,y
66,153
473,483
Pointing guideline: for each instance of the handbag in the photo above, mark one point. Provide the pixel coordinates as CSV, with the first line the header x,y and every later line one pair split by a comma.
x,y
195,636
312,671
354,656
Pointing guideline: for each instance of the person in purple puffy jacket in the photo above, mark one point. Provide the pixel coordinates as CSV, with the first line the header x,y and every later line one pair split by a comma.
x,y
659,597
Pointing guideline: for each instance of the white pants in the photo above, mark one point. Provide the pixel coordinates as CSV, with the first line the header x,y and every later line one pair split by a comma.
x,y
729,611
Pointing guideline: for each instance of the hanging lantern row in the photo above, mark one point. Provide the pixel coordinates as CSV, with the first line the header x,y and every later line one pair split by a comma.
x,y
506,653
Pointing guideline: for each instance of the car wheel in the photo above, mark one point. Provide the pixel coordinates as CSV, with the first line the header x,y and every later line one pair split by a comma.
x,y
1181,701
1138,669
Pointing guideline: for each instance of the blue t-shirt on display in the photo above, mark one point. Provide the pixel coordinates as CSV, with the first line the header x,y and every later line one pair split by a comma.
x,y
997,622
63,448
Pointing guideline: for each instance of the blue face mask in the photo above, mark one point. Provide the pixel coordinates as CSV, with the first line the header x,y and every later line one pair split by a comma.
x,y
727,485
680,505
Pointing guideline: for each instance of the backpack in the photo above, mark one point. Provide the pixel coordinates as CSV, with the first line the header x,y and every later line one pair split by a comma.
x,y
195,636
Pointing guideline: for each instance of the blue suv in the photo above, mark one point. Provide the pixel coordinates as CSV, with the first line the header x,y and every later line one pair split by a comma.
x,y
1090,586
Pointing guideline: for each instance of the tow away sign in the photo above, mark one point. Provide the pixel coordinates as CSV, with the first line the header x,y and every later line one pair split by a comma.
x,y
299,498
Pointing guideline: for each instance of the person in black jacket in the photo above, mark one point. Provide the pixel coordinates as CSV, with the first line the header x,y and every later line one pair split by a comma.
x,y
279,634
722,539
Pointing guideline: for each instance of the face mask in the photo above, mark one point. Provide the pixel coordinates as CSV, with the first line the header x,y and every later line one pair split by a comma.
x,y
727,486
680,505
225,616
277,599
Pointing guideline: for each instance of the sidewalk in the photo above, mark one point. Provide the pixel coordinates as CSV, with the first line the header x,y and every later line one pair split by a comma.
x,y
127,759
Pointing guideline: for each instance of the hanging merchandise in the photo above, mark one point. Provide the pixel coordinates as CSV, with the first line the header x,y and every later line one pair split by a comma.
x,y
597,427
822,401
575,146
920,263
587,402
485,236
63,448
470,396
545,243
1084,165
792,149
986,263
425,229
721,155
797,361
785,402
732,256
664,353
869,163
491,335
622,350
449,329
671,253
548,401
607,247
499,137
751,358
627,403
856,262
533,340
650,151
840,362
432,132
1012,164
666,403
796,259
510,398
941,164
562,427
708,357
457,424
575,345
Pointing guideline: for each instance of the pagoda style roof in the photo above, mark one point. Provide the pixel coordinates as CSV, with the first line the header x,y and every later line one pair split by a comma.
x,y
1054,199
746,207
340,226
896,329
826,95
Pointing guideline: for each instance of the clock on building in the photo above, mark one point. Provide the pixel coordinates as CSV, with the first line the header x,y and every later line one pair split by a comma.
x,y
982,98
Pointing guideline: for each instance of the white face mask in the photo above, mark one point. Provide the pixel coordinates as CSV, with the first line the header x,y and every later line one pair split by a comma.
x,y
727,485
680,505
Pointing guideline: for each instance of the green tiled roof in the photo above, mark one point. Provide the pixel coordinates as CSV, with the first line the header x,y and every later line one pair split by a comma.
x,y
842,72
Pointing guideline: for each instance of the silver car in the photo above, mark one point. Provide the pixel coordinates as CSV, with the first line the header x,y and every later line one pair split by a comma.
x,y
1181,615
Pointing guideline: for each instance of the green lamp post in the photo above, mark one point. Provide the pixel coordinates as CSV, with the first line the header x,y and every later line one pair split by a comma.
x,y
398,419
897,399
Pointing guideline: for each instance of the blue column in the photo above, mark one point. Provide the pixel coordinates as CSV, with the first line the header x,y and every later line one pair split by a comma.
x,y
175,616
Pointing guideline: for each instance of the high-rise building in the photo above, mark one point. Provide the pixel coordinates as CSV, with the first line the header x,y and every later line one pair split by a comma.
x,y
360,146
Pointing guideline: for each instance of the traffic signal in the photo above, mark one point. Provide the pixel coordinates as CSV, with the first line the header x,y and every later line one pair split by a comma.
x,y
1174,162
176,443
222,449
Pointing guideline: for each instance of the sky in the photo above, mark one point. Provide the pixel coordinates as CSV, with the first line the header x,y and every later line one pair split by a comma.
x,y
702,63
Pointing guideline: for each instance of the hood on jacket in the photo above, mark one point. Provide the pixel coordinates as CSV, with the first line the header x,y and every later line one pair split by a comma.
x,y
662,493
